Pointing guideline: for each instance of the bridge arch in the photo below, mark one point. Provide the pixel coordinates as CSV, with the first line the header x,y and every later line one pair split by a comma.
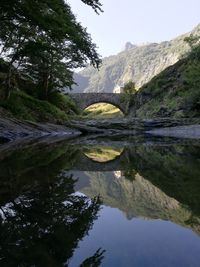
x,y
84,100
105,102
85,163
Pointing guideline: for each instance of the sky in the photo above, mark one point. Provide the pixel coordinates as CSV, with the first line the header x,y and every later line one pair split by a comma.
x,y
136,21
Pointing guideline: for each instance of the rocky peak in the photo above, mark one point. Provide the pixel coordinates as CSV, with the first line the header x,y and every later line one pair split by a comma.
x,y
129,46
139,63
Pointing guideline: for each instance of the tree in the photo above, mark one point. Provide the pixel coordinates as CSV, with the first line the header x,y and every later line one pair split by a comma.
x,y
129,88
192,40
95,4
42,38
194,43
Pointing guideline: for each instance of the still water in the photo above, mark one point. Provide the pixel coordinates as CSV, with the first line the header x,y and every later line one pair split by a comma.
x,y
100,203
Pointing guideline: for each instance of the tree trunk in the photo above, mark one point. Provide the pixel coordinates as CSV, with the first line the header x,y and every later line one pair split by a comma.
x,y
46,84
8,83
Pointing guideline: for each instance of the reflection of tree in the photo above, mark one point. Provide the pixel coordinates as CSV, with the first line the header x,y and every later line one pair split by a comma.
x,y
95,260
129,174
42,227
33,164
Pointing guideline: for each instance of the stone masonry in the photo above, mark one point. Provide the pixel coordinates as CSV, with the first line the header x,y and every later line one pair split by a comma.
x,y
84,100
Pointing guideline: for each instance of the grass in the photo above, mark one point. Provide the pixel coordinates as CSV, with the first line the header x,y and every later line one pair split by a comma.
x,y
63,102
102,110
25,107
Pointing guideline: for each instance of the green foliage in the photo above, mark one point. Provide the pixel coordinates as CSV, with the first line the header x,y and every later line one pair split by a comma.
x,y
95,4
192,40
194,43
23,106
45,41
63,102
129,88
173,93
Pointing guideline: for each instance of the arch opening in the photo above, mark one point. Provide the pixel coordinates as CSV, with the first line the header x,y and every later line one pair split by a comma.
x,y
103,110
102,154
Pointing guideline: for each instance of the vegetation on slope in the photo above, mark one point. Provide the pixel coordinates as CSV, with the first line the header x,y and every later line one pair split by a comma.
x,y
57,109
175,92
102,110
27,102
26,107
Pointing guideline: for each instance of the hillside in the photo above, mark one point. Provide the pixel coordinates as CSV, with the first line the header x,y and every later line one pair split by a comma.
x,y
175,92
138,63
26,102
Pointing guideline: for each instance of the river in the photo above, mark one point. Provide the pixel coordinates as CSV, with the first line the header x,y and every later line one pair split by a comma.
x,y
101,202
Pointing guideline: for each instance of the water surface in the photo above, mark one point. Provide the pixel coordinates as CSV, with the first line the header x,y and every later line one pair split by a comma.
x,y
101,203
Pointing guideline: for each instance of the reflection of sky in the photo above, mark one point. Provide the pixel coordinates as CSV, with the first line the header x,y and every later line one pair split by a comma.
x,y
139,242
118,174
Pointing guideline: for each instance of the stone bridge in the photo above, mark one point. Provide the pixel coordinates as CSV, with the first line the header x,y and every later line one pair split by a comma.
x,y
84,100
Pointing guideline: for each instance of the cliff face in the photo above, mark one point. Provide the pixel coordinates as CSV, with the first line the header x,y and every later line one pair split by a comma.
x,y
137,63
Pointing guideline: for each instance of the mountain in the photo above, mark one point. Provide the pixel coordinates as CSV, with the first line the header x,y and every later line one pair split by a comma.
x,y
139,63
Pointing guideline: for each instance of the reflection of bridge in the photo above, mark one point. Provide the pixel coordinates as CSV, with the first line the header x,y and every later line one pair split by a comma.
x,y
84,100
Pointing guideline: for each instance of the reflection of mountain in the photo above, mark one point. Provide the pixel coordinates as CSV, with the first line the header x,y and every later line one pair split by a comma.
x,y
174,169
138,198
161,181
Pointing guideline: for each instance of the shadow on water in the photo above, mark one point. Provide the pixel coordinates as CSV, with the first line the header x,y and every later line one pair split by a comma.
x,y
3,140
43,217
